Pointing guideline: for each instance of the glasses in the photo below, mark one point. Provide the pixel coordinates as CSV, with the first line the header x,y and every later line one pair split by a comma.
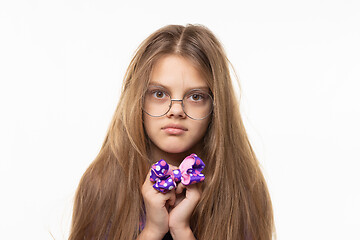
x,y
197,104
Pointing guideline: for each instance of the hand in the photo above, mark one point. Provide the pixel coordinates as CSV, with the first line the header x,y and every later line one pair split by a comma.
x,y
156,205
179,216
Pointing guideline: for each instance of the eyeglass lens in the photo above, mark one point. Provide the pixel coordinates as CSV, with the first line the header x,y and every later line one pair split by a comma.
x,y
197,104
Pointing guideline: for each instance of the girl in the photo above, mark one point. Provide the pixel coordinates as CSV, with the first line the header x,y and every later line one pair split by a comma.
x,y
177,99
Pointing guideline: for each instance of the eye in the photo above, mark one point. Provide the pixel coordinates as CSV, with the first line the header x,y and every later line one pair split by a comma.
x,y
196,97
158,94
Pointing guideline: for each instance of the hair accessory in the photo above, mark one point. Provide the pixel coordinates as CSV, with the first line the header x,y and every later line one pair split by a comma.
x,y
189,172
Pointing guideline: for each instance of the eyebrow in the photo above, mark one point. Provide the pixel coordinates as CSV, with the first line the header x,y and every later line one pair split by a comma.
x,y
156,84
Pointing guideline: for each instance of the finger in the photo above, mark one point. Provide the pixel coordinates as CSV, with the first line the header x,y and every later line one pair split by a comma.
x,y
172,197
172,167
180,188
194,192
197,186
148,188
147,183
147,178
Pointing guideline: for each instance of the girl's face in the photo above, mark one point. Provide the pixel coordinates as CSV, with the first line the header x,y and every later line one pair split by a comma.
x,y
175,132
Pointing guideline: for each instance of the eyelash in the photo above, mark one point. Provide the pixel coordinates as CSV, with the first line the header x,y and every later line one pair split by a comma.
x,y
153,92
198,94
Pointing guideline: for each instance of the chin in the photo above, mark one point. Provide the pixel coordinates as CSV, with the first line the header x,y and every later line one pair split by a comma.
x,y
174,148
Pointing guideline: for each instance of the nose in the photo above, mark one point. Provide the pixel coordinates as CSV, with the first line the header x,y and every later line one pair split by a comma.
x,y
176,109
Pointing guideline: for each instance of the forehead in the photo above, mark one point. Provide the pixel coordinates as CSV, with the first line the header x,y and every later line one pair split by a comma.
x,y
176,73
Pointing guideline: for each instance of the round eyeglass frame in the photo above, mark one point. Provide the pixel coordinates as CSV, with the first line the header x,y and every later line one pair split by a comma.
x,y
182,106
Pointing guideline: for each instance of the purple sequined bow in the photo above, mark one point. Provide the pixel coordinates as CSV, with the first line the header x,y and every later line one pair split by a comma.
x,y
189,172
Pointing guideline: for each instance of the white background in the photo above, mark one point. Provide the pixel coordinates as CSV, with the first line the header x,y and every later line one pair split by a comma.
x,y
61,67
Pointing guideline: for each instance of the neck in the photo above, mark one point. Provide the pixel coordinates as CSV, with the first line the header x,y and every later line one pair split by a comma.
x,y
171,158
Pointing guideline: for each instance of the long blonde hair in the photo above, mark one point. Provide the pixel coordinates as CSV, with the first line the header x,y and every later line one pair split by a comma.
x,y
235,203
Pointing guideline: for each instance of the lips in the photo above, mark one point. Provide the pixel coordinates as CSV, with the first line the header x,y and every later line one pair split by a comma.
x,y
174,129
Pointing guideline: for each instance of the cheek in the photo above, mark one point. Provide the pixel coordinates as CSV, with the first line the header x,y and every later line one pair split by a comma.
x,y
148,125
202,128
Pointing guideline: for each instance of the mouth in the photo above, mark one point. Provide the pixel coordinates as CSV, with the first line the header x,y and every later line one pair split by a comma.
x,y
174,129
